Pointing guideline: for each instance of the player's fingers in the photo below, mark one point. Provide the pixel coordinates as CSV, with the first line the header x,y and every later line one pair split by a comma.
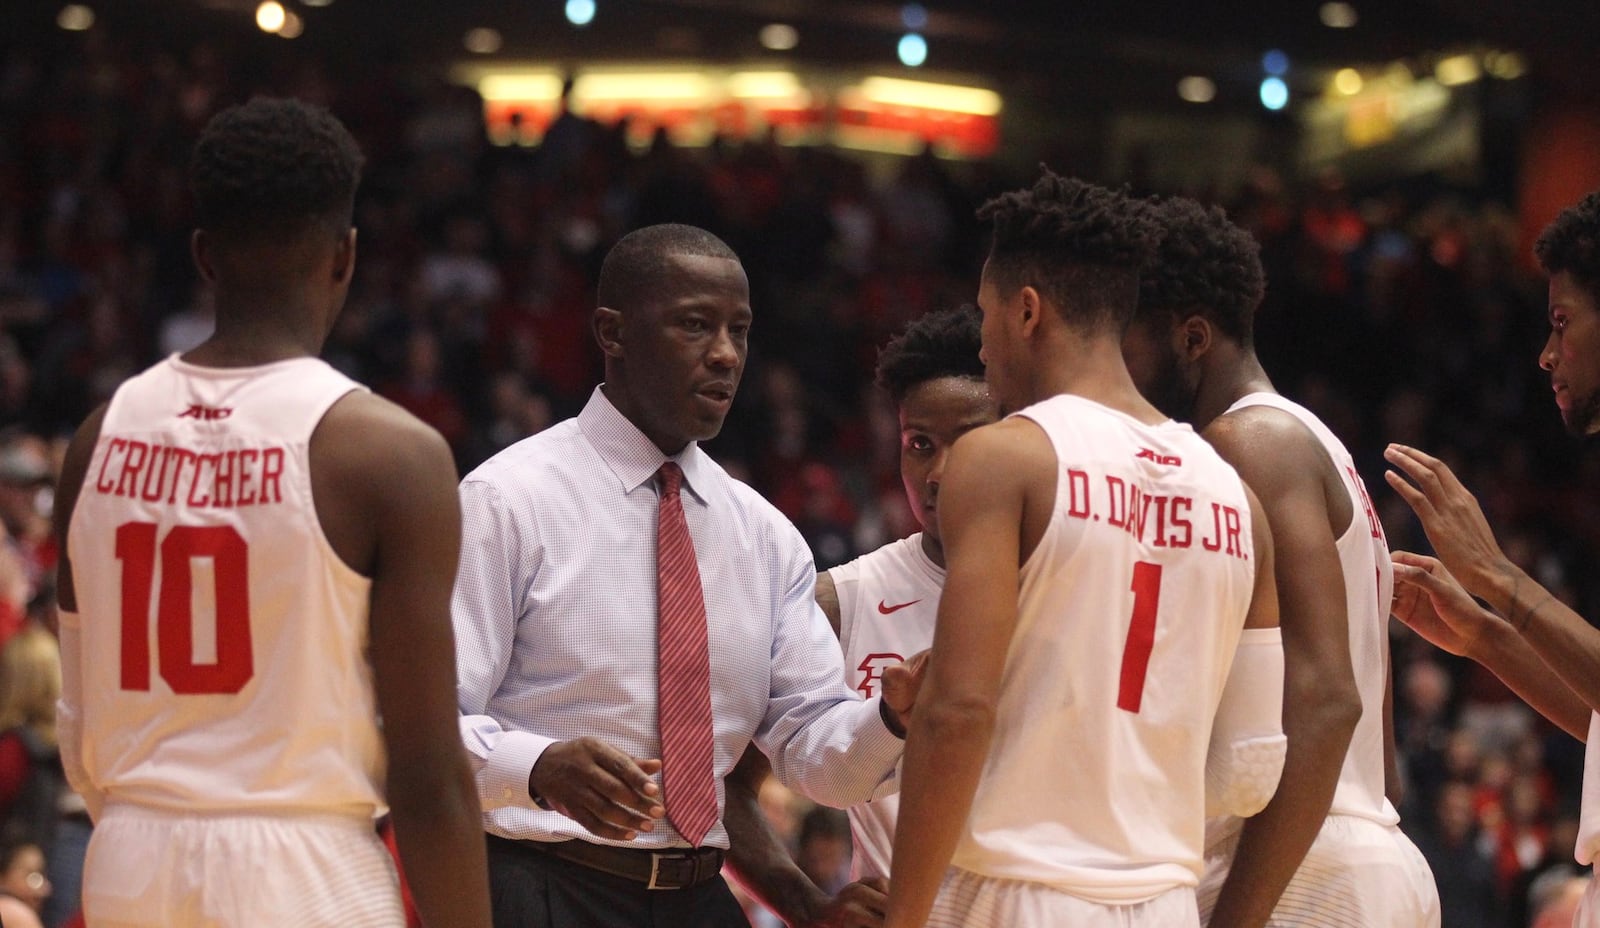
x,y
1408,559
1414,497
868,898
1406,459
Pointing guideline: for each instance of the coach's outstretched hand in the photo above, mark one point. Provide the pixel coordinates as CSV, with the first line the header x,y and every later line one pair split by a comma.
x,y
599,787
901,682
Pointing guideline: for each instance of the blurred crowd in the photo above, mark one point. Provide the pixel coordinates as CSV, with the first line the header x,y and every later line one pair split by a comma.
x,y
1403,313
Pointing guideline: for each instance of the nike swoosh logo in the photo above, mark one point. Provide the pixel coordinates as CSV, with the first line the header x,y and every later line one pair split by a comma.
x,y
886,609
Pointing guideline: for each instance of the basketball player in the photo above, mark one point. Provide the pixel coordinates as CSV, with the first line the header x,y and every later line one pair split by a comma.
x,y
883,605
1106,569
1543,650
241,527
1191,351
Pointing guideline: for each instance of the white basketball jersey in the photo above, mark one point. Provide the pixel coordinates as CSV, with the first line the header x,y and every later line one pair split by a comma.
x,y
1368,589
224,657
1129,612
1588,848
888,603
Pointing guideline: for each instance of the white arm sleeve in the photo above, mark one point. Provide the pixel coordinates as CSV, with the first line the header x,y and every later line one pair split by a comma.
x,y
1247,748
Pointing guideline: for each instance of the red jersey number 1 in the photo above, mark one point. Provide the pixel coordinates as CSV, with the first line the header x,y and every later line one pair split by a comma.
x,y
229,555
1141,635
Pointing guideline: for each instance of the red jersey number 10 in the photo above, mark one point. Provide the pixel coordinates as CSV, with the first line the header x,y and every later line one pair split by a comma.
x,y
136,549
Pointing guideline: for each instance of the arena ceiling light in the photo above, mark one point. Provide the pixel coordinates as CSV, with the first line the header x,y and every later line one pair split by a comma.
x,y
293,26
1197,89
580,13
1457,70
270,16
1274,93
75,17
954,98
1348,81
778,37
913,50
482,40
1337,15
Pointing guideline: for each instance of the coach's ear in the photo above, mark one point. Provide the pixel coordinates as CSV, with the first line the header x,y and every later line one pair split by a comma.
x,y
1193,337
608,331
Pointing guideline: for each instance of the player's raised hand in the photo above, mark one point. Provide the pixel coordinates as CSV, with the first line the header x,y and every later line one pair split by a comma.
x,y
859,905
1450,515
901,682
1430,600
599,787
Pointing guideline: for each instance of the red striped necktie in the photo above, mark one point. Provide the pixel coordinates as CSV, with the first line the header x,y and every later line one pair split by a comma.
x,y
684,670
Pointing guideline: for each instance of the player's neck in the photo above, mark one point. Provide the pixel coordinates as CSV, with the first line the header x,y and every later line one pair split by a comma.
x,y
1231,373
933,549
1092,368
247,336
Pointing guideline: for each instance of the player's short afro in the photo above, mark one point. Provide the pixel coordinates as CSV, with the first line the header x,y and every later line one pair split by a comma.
x,y
272,168
1205,265
943,343
1081,246
1571,243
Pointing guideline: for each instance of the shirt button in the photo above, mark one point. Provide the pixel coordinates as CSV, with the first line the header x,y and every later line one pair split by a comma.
x,y
506,792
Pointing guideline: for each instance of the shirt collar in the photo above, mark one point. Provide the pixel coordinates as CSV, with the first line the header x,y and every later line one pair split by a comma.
x,y
633,458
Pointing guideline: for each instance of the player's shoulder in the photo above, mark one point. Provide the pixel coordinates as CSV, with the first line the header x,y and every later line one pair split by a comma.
x,y
1015,441
896,557
372,448
1268,444
380,427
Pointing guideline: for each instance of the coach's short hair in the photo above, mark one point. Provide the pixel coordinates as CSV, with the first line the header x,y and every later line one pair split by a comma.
x,y
1571,243
634,265
1204,265
1081,246
943,343
274,168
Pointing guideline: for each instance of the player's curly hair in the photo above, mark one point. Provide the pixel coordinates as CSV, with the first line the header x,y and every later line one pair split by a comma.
x,y
1081,246
1571,243
274,168
632,269
943,343
1204,265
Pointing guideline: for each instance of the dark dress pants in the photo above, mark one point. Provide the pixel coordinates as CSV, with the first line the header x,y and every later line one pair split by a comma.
x,y
532,889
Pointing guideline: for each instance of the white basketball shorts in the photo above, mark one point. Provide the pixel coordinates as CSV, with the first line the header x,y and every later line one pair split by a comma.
x,y
1358,874
967,900
153,869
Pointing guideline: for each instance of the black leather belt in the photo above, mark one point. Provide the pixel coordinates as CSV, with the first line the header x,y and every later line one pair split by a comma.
x,y
674,868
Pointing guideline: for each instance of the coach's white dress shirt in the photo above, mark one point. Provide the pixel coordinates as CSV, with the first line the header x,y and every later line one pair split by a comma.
x,y
555,625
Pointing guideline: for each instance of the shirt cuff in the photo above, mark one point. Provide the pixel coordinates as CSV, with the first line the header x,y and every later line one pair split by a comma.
x,y
508,766
876,741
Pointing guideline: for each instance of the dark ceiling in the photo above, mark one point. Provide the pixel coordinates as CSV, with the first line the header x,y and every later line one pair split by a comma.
x,y
1058,51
